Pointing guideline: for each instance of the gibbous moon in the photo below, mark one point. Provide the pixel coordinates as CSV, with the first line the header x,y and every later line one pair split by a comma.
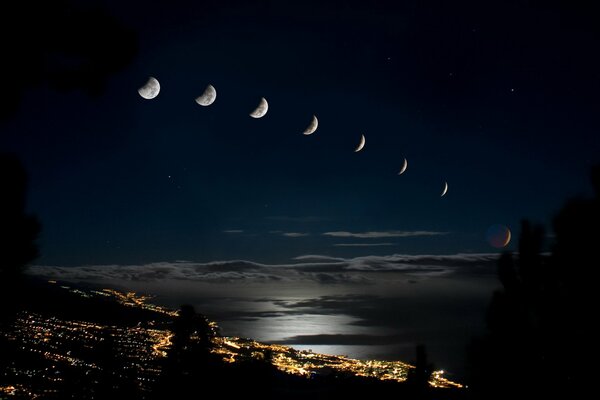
x,y
208,97
445,189
312,127
498,236
261,110
361,144
150,90
404,166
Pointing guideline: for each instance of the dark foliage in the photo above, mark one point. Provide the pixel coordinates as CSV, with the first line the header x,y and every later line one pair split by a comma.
x,y
18,230
542,334
420,375
59,44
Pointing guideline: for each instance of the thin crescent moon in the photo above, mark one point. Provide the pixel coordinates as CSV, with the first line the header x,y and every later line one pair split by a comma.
x,y
314,124
207,97
404,166
150,90
361,144
508,237
445,189
261,110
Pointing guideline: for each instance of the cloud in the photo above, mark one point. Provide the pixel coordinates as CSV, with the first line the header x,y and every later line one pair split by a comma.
x,y
328,278
363,244
319,269
213,272
318,257
382,234
233,231
295,234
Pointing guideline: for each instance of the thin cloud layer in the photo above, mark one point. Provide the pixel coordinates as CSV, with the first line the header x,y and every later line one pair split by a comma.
x,y
294,234
382,234
316,268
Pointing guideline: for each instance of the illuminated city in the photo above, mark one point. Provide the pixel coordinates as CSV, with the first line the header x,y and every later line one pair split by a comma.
x,y
66,346
307,363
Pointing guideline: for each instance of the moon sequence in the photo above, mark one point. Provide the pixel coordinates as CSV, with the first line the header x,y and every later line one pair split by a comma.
x,y
151,89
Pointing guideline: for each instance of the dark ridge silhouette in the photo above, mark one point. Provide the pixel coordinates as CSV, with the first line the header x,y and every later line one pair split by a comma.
x,y
60,44
18,230
541,333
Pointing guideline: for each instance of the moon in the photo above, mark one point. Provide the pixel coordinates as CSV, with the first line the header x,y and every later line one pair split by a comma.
x,y
261,110
445,189
404,166
150,90
208,97
498,236
361,144
314,124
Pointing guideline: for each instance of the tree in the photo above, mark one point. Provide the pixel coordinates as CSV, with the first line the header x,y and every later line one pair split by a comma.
x,y
18,230
186,368
420,375
541,324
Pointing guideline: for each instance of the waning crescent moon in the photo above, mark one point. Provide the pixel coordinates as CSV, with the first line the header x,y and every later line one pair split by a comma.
x,y
508,237
261,110
208,97
498,236
404,166
150,90
361,144
445,189
314,124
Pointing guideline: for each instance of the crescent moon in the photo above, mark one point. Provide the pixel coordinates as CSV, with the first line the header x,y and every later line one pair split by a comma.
x,y
445,189
261,110
404,166
361,144
208,97
150,90
498,236
508,237
314,124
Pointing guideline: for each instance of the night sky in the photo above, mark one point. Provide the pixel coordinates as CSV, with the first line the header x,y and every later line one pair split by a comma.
x,y
499,99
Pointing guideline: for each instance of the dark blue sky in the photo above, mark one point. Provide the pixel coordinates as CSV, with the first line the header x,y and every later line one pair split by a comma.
x,y
499,99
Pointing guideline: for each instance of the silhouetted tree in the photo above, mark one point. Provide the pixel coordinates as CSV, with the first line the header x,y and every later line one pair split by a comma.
x,y
185,367
575,262
60,44
541,324
18,230
191,334
418,377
